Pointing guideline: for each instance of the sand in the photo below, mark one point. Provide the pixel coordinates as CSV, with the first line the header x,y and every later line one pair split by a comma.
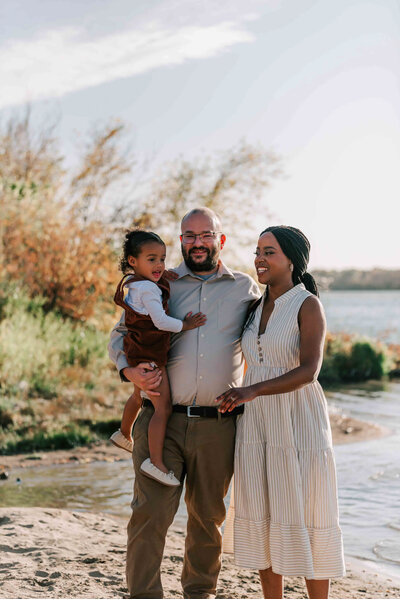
x,y
55,553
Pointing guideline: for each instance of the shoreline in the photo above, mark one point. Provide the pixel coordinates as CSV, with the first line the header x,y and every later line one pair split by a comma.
x,y
345,429
78,554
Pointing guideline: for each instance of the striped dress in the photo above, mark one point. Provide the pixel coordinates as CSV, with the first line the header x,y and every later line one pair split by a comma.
x,y
284,510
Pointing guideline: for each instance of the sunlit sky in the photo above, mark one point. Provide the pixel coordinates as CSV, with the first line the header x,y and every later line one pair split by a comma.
x,y
315,80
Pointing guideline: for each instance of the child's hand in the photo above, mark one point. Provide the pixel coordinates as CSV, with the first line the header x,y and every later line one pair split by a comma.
x,y
193,322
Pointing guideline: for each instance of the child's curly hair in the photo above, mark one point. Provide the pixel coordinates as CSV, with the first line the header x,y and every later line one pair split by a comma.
x,y
133,243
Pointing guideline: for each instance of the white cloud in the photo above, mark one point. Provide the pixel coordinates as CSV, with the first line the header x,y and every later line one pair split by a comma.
x,y
61,61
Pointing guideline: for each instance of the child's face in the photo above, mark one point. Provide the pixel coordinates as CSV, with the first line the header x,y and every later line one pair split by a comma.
x,y
150,263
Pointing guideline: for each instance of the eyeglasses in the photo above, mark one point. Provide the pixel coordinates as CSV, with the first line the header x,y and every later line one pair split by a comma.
x,y
205,237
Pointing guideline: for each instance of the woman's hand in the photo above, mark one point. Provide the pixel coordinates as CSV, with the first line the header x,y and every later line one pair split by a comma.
x,y
232,398
144,376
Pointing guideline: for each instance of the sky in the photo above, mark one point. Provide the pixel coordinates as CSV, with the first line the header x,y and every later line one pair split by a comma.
x,y
314,80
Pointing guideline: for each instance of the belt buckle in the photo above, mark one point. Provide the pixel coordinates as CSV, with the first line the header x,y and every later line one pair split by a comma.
x,y
189,415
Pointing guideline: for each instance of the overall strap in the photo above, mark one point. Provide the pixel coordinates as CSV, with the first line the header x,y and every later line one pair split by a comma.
x,y
119,294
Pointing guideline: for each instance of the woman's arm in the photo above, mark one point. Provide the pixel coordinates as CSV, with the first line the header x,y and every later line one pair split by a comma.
x,y
312,326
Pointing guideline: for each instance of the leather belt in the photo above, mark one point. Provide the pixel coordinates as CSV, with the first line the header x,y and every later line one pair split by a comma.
x,y
199,411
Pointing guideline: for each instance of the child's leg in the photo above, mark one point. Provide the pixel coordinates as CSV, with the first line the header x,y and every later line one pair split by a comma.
x,y
158,423
131,410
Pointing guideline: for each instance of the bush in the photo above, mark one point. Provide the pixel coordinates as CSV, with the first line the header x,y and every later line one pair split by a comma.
x,y
348,359
46,441
366,362
70,265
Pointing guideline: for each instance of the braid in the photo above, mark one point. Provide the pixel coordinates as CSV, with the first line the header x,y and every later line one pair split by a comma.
x,y
310,283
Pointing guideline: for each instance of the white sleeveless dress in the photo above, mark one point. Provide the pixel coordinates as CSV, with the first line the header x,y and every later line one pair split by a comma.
x,y
284,509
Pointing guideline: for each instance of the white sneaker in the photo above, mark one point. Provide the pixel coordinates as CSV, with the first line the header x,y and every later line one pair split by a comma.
x,y
121,441
162,477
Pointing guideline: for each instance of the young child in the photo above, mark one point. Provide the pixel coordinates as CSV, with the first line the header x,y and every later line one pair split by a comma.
x,y
147,340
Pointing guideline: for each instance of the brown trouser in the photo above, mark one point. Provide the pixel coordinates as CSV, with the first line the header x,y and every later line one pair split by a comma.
x,y
200,449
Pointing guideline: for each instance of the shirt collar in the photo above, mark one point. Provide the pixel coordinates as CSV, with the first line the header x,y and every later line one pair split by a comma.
x,y
223,271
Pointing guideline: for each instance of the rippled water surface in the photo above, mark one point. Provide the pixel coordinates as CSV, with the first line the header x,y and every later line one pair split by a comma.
x,y
368,477
375,314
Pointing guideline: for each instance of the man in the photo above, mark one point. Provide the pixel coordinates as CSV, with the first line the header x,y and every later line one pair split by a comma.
x,y
199,443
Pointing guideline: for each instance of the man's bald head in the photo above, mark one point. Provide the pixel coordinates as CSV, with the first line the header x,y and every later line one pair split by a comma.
x,y
215,221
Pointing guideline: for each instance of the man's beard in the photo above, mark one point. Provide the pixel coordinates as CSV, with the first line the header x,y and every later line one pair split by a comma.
x,y
209,263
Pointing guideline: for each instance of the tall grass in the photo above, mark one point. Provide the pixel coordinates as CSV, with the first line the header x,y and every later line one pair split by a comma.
x,y
37,349
57,385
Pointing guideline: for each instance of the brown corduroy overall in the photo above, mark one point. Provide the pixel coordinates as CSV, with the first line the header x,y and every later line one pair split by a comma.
x,y
143,342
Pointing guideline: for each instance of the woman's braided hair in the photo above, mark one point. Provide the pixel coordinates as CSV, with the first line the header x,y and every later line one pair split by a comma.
x,y
296,247
133,244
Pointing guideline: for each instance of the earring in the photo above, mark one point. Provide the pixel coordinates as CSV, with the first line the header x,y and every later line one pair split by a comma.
x,y
291,267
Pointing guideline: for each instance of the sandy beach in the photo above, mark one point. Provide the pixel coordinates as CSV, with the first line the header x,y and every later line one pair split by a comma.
x,y
56,553
59,553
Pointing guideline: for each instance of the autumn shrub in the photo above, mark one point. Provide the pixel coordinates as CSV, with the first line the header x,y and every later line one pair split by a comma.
x,y
71,265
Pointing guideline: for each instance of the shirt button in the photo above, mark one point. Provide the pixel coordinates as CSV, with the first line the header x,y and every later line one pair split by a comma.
x,y
204,299
200,377
201,355
202,335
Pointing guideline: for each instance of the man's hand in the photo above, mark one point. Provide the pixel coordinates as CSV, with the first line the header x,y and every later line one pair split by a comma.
x,y
144,376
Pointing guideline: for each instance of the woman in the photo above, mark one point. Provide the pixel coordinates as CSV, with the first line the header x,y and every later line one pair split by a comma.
x,y
284,514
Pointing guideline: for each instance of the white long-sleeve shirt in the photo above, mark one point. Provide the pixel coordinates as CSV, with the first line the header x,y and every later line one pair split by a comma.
x,y
145,297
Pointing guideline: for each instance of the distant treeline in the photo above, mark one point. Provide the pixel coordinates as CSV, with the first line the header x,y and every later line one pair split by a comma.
x,y
377,278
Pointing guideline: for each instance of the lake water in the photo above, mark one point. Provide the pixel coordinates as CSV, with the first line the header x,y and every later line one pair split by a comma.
x,y
368,472
371,313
